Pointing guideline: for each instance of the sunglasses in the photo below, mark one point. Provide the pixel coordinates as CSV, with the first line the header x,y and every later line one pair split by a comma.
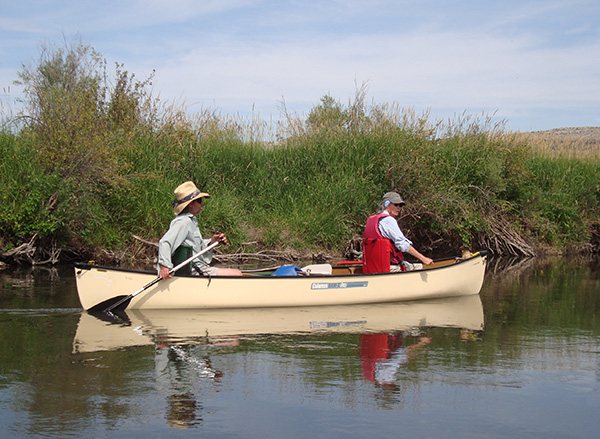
x,y
398,204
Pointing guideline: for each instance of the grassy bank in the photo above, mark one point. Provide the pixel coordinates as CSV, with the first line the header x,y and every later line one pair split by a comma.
x,y
95,165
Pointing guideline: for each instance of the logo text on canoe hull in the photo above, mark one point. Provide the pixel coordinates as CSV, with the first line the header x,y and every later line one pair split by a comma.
x,y
337,285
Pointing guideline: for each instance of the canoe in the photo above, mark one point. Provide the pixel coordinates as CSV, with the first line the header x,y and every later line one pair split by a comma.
x,y
159,327
346,285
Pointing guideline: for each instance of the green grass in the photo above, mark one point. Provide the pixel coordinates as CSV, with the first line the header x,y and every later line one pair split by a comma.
x,y
311,192
91,186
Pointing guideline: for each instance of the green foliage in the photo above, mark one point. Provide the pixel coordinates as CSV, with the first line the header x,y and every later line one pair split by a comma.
x,y
62,93
76,127
564,198
27,204
98,161
328,114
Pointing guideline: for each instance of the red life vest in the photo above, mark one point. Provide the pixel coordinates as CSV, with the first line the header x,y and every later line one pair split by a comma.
x,y
378,252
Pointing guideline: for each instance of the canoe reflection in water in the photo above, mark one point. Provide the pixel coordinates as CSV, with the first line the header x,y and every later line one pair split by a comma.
x,y
185,339
179,327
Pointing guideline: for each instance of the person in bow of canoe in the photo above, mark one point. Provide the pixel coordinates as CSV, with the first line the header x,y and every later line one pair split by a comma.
x,y
383,241
183,239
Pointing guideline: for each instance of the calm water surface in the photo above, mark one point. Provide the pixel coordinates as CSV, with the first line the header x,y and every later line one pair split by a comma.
x,y
522,360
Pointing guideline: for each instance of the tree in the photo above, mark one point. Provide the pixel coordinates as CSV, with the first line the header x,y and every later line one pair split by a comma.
x,y
73,115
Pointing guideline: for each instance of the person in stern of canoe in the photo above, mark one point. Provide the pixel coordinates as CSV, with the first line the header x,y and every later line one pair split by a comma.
x,y
183,239
383,241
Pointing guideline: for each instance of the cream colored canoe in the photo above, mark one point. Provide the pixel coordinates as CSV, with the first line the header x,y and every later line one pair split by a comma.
x,y
446,278
168,327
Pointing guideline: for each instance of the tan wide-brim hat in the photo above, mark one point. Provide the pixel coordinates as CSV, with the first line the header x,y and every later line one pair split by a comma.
x,y
185,193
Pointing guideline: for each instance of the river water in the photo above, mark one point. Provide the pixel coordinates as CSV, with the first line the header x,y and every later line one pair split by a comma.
x,y
522,360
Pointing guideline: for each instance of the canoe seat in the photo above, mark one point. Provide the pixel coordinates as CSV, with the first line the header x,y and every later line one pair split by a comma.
x,y
318,269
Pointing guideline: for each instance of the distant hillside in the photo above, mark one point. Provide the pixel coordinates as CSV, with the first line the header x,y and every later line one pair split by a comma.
x,y
587,134
578,142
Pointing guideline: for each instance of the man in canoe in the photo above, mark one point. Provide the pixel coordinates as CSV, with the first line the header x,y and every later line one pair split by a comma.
x,y
183,239
383,241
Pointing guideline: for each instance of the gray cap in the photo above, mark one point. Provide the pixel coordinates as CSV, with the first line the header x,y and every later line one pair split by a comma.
x,y
394,198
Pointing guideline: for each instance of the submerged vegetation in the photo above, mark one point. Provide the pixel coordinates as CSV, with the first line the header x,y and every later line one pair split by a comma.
x,y
91,163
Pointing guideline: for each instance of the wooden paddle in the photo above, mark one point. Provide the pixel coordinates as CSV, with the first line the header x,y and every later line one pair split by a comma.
x,y
122,301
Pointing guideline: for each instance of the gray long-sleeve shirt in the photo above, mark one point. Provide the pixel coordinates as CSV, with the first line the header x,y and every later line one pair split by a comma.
x,y
183,230
388,226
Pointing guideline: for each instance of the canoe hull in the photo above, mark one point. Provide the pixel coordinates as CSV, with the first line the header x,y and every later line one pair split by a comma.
x,y
96,284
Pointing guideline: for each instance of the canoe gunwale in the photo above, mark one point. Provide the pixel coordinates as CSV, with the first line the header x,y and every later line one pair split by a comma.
x,y
457,261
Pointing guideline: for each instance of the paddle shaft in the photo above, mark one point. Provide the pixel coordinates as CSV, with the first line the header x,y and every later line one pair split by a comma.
x,y
158,279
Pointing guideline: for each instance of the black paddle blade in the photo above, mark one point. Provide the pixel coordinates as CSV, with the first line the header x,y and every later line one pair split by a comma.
x,y
113,317
108,303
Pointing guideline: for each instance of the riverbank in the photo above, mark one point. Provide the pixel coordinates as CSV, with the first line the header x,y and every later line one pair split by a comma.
x,y
88,168
307,198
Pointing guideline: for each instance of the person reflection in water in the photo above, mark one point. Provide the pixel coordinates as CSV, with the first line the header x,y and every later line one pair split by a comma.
x,y
381,356
181,370
182,410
